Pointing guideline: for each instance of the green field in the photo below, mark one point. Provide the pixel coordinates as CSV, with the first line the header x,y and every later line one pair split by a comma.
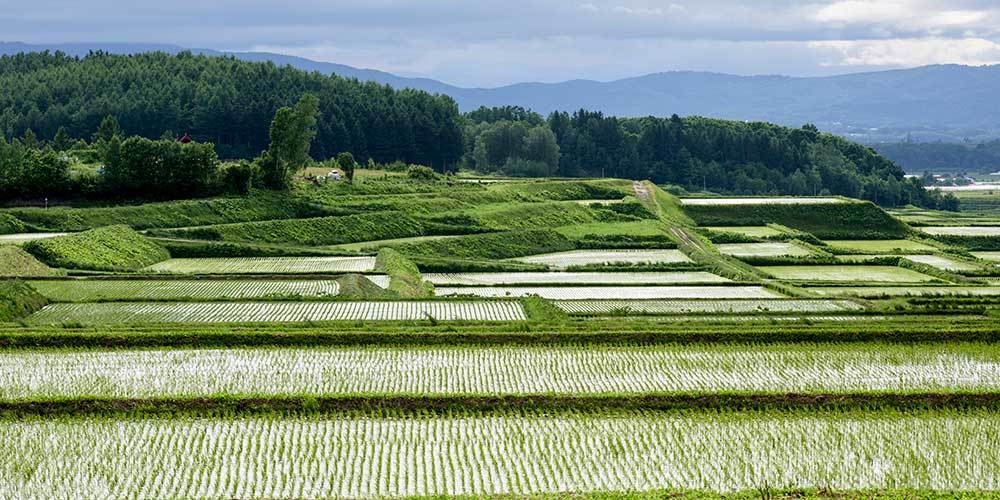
x,y
880,246
275,312
264,265
857,274
762,249
751,231
123,290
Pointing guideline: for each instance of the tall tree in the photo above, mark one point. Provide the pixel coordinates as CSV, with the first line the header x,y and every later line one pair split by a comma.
x,y
292,132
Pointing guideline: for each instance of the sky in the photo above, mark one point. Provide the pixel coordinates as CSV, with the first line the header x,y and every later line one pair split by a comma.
x,y
486,43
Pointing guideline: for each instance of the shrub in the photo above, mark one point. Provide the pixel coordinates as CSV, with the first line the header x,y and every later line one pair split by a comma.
x,y
10,225
111,248
421,173
18,299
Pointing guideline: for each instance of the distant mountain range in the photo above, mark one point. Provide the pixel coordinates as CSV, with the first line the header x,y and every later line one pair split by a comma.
x,y
941,102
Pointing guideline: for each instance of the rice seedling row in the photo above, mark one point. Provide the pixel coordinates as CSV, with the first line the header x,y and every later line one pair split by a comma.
x,y
614,292
775,249
378,456
939,262
98,290
885,246
847,273
752,231
603,307
265,265
562,260
898,291
759,201
962,230
238,312
770,368
586,278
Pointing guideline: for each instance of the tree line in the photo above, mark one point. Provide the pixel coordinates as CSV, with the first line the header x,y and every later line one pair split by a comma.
x,y
696,153
282,117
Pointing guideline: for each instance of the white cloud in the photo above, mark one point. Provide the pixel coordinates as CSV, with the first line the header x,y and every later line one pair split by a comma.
x,y
900,14
909,52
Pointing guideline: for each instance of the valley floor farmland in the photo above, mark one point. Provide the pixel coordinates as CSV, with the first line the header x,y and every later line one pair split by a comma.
x,y
512,453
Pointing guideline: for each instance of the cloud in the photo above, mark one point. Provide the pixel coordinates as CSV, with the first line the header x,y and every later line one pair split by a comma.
x,y
909,52
491,42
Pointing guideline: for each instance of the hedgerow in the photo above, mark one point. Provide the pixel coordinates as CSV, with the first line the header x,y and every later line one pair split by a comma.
x,y
111,248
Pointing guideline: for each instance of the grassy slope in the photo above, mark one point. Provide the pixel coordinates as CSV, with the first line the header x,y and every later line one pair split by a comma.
x,y
404,276
14,261
111,248
18,299
855,220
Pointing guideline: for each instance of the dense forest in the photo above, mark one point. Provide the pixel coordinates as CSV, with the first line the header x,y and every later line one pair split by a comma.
x,y
696,153
223,101
943,157
51,101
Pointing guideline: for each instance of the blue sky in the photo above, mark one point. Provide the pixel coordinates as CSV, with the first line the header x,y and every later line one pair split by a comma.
x,y
489,43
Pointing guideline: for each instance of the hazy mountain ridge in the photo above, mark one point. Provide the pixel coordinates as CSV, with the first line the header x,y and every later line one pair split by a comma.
x,y
948,102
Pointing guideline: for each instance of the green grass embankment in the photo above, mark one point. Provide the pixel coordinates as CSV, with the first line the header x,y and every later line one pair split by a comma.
x,y
111,248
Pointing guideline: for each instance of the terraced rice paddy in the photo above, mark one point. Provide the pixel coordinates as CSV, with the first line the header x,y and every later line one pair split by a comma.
x,y
102,290
775,249
759,201
615,292
962,230
580,278
265,265
476,454
881,274
563,260
881,246
743,306
751,231
994,256
24,237
250,312
767,368
899,291
945,263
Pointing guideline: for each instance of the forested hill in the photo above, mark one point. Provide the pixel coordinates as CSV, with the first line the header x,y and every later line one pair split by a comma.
x,y
231,103
224,101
